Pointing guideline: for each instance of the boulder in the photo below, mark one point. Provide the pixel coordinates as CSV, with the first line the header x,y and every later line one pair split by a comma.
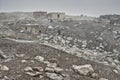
x,y
53,60
103,79
52,65
51,70
54,76
34,74
39,69
46,62
83,69
2,55
27,69
4,68
95,75
20,55
69,38
41,77
23,61
39,58
58,70
116,71
5,78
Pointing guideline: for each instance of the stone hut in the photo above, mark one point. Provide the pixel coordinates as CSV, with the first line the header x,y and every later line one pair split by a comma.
x,y
31,28
39,14
56,15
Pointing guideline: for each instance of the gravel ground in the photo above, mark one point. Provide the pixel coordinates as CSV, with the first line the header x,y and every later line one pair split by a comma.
x,y
15,62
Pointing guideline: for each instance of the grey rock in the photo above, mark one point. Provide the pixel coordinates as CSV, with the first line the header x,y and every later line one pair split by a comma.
x,y
41,76
34,74
46,62
52,65
103,79
116,71
49,70
69,38
39,58
2,55
23,61
54,76
83,69
4,68
53,60
39,69
20,55
95,75
28,69
58,70
6,78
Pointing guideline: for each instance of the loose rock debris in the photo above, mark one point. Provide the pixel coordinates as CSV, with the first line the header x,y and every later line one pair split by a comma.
x,y
49,67
33,48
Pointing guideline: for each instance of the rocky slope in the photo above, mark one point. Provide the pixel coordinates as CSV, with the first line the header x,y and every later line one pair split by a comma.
x,y
59,50
31,61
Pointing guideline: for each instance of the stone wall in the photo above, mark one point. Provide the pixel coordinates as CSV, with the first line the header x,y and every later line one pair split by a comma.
x,y
56,15
31,28
39,14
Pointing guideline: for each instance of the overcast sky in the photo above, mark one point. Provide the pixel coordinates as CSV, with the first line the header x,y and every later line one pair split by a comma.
x,y
75,7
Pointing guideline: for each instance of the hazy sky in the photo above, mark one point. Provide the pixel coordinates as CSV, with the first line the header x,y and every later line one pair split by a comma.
x,y
75,7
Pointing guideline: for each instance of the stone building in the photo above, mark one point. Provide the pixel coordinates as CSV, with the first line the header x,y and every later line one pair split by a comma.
x,y
31,28
39,14
56,15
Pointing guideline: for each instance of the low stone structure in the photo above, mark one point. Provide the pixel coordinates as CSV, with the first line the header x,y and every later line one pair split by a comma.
x,y
39,14
31,28
56,15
